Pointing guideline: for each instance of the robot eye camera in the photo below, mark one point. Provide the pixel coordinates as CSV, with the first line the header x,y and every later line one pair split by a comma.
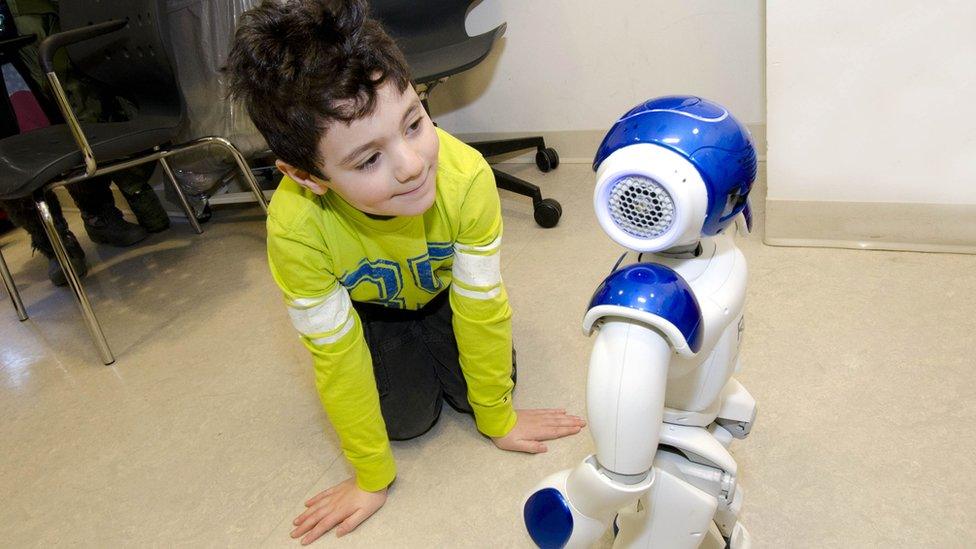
x,y
672,170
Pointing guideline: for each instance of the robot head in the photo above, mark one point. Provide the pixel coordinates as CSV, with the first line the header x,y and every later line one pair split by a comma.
x,y
671,170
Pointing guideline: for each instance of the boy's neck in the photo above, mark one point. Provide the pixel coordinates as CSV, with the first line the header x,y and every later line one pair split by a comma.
x,y
379,217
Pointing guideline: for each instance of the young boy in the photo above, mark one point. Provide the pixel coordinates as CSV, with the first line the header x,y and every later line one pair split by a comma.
x,y
384,237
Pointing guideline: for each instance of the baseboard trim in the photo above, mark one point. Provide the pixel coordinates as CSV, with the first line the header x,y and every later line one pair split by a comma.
x,y
579,146
943,228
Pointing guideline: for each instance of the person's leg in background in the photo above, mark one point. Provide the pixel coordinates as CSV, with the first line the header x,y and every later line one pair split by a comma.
x,y
23,213
103,221
143,201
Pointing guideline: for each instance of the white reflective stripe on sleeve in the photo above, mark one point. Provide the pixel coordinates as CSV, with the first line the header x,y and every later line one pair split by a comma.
x,y
312,316
477,270
334,337
493,245
476,295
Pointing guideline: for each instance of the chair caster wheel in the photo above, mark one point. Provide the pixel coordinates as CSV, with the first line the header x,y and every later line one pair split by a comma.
x,y
546,159
547,213
205,214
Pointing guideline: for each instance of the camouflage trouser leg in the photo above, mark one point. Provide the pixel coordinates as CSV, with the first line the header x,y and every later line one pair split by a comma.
x,y
92,196
23,213
142,199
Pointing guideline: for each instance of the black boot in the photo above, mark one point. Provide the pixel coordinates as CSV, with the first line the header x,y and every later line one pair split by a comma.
x,y
149,211
107,226
75,253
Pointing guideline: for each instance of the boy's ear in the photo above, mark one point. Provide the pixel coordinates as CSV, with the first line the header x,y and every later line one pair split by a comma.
x,y
302,177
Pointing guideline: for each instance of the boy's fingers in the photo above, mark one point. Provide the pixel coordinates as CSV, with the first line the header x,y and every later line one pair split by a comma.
x,y
301,518
351,523
319,496
324,525
312,518
309,512
559,432
304,525
552,432
542,411
530,446
568,421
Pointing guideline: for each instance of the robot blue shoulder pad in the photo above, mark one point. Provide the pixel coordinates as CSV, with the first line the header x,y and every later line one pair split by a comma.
x,y
653,294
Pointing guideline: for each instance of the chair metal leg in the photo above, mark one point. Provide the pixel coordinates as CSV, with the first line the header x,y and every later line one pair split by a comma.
x,y
245,171
516,185
8,283
502,146
190,215
69,270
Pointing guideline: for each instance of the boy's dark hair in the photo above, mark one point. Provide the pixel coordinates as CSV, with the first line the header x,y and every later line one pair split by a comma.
x,y
298,66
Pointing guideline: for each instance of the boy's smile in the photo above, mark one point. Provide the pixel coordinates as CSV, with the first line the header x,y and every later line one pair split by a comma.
x,y
384,163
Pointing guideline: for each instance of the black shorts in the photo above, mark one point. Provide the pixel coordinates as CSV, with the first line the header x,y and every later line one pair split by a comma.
x,y
415,362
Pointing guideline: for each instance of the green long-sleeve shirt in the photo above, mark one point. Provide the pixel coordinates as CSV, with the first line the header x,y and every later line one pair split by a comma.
x,y
324,253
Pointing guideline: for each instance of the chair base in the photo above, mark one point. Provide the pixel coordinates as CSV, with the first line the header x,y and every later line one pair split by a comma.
x,y
546,210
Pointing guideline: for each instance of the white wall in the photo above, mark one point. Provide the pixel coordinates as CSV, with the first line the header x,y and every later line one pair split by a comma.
x,y
578,64
872,101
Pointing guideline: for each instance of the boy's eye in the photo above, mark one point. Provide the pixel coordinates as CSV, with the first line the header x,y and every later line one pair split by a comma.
x,y
369,162
415,125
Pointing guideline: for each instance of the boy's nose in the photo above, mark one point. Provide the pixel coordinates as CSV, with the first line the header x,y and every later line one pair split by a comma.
x,y
410,165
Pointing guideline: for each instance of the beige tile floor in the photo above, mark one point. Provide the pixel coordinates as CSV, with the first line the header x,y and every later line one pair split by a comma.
x,y
207,430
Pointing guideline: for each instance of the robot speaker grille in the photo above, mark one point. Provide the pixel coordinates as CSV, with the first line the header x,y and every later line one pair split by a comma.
x,y
641,207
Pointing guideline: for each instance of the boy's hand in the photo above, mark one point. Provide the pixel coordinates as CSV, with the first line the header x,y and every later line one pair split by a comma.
x,y
344,504
534,426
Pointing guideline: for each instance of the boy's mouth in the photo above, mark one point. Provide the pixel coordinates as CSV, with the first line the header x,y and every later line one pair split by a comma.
x,y
415,190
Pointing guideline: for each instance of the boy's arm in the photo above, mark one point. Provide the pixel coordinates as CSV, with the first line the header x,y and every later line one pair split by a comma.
x,y
322,312
482,316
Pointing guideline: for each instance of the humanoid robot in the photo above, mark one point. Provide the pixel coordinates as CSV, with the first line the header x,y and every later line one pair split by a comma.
x,y
673,179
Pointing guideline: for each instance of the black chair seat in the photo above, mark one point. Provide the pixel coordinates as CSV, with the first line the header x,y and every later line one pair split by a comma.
x,y
429,64
31,160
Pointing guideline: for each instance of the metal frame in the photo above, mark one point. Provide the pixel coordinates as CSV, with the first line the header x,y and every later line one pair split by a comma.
x,y
8,283
91,170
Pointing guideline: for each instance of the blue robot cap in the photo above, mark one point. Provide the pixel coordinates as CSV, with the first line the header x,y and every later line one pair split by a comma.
x,y
705,133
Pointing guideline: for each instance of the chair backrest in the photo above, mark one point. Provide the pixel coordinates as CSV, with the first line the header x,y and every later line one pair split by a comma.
x,y
132,62
421,26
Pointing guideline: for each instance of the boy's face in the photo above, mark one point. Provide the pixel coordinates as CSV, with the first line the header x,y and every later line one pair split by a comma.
x,y
384,163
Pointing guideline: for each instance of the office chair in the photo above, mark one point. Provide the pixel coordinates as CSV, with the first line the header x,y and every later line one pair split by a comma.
x,y
10,44
120,44
433,39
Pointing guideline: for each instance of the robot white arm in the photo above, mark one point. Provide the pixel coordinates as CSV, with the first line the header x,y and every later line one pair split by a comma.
x,y
645,313
625,396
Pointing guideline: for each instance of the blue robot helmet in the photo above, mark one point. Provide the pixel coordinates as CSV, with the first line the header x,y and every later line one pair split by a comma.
x,y
671,170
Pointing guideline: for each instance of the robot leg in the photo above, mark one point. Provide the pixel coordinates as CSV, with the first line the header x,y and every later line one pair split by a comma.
x,y
694,501
737,413
673,514
727,521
